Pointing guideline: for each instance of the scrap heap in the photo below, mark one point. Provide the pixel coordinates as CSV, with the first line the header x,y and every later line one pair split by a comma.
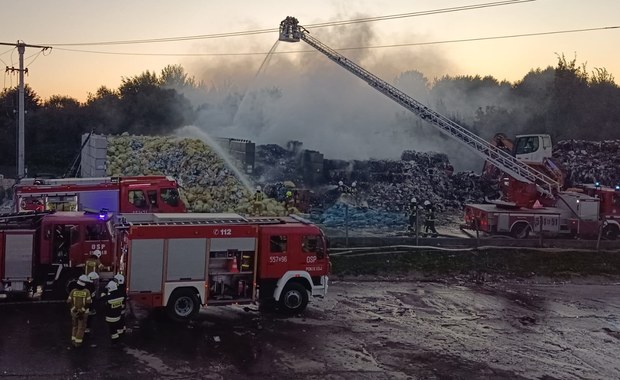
x,y
383,187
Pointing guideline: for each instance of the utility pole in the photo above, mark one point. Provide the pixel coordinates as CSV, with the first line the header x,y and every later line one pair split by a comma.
x,y
21,155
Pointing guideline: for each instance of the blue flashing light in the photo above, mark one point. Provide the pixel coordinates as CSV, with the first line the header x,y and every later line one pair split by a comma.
x,y
103,214
617,188
597,184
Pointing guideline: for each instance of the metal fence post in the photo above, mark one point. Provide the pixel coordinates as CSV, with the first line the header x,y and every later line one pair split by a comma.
x,y
346,224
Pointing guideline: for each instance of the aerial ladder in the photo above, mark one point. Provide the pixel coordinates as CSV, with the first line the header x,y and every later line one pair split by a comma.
x,y
291,31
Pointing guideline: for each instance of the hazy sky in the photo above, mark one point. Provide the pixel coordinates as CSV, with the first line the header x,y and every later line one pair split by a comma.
x,y
76,73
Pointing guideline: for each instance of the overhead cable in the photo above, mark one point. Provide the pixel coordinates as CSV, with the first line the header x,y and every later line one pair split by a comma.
x,y
350,47
318,25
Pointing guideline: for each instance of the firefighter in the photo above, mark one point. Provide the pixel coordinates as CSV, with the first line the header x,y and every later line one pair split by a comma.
x,y
79,300
258,201
93,263
93,287
288,202
413,215
429,223
112,303
122,290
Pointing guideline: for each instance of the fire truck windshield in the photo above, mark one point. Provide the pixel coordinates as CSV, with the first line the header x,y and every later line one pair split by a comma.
x,y
97,231
527,145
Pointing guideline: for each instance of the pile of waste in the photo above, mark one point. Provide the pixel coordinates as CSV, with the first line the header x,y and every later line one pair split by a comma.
x,y
208,185
384,188
589,161
361,194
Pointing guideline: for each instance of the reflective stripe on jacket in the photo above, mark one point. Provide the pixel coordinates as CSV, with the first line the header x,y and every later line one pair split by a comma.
x,y
113,306
92,265
79,299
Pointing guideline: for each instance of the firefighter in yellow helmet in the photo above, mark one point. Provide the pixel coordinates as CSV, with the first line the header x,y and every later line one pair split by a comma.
x,y
288,202
258,201
79,300
93,263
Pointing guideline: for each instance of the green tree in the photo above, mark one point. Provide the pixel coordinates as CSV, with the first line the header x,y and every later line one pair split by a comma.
x,y
150,109
103,111
56,134
531,98
175,77
567,105
603,113
8,125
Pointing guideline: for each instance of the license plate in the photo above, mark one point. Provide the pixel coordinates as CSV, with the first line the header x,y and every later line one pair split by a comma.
x,y
2,295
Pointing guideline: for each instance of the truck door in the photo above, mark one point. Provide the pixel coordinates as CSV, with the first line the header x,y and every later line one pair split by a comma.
x,y
135,201
311,256
274,254
170,200
64,238
144,198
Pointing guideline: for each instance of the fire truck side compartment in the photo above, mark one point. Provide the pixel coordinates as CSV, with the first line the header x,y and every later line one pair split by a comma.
x,y
18,248
186,259
241,244
147,265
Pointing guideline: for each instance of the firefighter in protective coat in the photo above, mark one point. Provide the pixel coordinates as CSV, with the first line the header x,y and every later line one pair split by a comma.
x,y
122,290
429,223
112,302
257,205
93,263
79,300
413,216
93,287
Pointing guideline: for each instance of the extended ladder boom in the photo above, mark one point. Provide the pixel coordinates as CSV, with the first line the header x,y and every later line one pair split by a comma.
x,y
291,31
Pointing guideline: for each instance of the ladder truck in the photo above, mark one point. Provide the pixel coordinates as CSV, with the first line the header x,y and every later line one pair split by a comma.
x,y
522,185
183,262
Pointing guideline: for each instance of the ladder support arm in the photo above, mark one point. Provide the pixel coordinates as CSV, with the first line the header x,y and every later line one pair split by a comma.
x,y
291,31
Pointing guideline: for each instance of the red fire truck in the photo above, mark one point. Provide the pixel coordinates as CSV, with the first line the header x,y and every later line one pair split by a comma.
x,y
181,262
139,194
609,199
583,211
47,250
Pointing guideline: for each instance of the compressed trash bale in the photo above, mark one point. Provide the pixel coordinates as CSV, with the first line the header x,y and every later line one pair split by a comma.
x,y
207,184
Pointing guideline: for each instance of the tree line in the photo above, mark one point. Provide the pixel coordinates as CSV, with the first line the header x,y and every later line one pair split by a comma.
x,y
566,101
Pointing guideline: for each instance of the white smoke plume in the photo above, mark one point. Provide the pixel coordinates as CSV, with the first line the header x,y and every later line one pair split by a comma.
x,y
309,98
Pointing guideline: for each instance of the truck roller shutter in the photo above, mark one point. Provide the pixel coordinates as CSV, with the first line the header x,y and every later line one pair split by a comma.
x,y
18,256
186,259
147,265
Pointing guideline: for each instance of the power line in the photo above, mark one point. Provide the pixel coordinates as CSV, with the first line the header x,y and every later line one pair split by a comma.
x,y
350,48
486,38
1,60
318,25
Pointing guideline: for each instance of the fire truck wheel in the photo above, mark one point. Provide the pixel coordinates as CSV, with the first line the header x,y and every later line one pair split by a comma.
x,y
610,232
294,298
520,231
183,305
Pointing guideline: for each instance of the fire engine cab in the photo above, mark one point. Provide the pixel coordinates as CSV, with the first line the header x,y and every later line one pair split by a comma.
x,y
181,262
48,250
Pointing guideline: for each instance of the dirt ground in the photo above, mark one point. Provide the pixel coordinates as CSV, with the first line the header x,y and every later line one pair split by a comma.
x,y
445,329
